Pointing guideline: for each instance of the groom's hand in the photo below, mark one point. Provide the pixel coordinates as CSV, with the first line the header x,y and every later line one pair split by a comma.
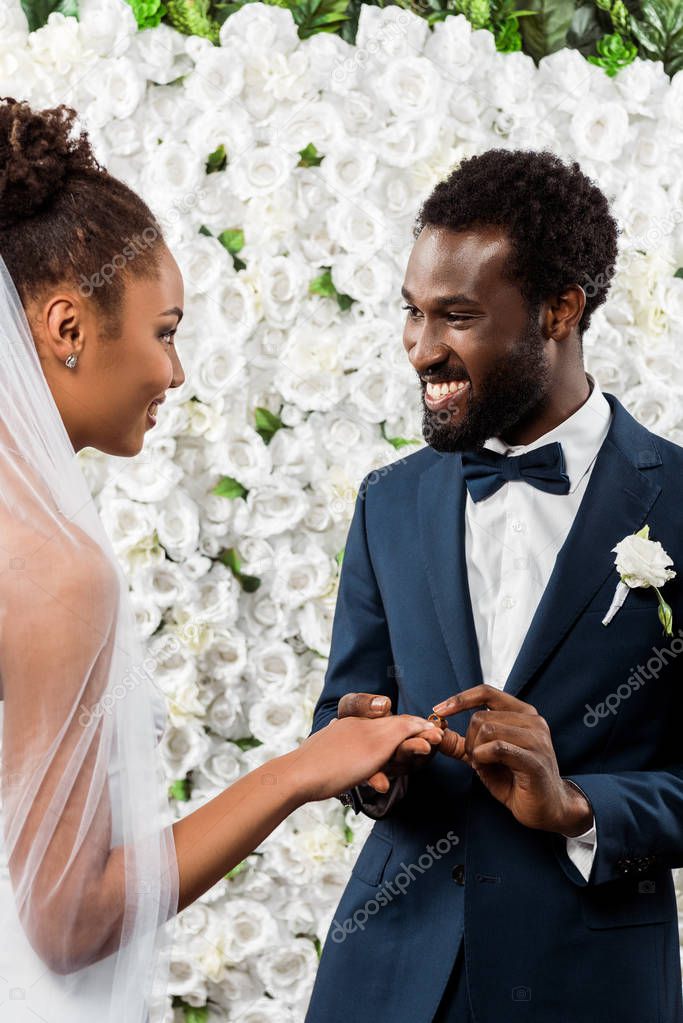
x,y
411,754
510,748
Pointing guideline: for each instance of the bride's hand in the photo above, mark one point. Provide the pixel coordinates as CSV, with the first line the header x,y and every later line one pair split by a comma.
x,y
348,750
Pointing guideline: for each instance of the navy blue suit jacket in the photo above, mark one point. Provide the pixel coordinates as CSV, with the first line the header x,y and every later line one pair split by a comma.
x,y
449,862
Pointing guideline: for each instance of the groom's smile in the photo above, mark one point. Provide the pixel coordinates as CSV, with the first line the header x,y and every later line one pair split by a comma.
x,y
478,348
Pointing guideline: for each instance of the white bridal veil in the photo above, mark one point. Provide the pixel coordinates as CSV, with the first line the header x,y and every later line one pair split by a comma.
x,y
88,872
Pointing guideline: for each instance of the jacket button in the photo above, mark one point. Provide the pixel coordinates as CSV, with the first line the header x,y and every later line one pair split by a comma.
x,y
458,873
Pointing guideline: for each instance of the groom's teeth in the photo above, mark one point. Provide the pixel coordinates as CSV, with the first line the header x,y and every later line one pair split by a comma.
x,y
451,387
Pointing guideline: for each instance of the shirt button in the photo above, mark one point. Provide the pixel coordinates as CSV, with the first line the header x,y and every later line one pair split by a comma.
x,y
521,562
508,602
519,527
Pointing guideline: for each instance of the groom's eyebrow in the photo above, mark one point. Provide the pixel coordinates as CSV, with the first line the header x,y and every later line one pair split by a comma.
x,y
173,311
459,299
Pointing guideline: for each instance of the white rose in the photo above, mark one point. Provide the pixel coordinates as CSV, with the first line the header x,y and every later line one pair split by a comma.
x,y
221,767
61,45
146,478
642,562
224,716
293,453
249,929
317,122
315,623
412,87
390,34
301,575
271,509
160,54
163,585
362,229
175,172
282,280
203,262
128,523
216,80
183,746
288,972
118,89
348,170
368,281
217,596
243,456
226,658
177,524
215,370
233,310
375,392
277,721
260,27
273,666
260,170
599,131
185,974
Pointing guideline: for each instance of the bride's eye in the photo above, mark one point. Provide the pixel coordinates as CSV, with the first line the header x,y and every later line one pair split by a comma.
x,y
169,334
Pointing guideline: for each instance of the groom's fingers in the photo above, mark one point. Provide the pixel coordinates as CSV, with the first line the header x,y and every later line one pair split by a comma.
x,y
483,696
453,745
359,705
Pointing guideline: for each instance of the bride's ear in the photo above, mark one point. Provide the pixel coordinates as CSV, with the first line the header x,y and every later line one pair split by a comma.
x,y
60,327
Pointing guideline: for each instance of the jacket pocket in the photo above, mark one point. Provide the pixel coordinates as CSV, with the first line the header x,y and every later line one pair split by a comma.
x,y
372,859
644,900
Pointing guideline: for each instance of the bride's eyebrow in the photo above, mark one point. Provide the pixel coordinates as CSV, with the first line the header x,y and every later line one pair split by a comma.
x,y
173,311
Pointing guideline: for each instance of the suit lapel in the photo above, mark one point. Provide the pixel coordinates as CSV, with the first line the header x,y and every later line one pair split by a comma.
x,y
441,511
617,501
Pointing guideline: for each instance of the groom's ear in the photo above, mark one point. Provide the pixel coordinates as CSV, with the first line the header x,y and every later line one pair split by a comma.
x,y
360,705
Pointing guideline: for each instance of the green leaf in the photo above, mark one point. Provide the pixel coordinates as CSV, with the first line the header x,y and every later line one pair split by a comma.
x,y
148,13
230,557
38,11
546,33
310,157
613,54
644,532
193,17
232,240
679,272
339,557
248,743
659,33
323,285
230,488
313,16
237,869
399,442
267,424
195,1013
204,230
180,790
217,161
348,834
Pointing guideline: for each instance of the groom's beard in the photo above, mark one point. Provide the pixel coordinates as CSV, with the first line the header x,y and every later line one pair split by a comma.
x,y
514,387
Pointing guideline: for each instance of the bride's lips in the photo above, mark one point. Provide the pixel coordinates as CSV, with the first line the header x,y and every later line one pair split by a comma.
x,y
450,400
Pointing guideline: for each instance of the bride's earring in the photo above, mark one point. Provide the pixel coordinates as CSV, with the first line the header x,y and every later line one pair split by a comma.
x,y
71,361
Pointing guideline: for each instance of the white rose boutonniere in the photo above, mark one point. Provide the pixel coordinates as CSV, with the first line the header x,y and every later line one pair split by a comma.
x,y
642,562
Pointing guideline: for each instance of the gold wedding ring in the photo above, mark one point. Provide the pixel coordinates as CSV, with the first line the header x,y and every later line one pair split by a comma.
x,y
441,722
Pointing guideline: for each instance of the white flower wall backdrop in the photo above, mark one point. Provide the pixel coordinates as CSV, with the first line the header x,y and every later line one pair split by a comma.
x,y
235,590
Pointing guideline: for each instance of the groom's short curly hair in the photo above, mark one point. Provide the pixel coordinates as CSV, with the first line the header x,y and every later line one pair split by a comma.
x,y
557,219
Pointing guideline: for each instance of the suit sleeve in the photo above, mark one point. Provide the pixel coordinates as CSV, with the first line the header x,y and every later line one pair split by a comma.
x,y
639,817
360,656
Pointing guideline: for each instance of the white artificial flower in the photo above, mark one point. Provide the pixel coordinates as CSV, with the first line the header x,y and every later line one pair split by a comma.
x,y
277,721
248,929
642,562
177,525
260,170
216,80
288,972
600,132
301,574
271,508
260,28
183,746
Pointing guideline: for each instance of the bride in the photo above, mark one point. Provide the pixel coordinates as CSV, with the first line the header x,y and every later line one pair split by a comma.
x,y
92,866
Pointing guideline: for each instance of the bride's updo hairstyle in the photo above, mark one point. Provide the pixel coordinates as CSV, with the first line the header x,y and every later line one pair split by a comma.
x,y
64,220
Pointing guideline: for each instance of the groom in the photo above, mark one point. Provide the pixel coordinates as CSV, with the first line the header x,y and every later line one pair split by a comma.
x,y
521,870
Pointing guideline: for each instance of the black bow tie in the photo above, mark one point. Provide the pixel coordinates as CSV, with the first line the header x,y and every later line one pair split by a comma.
x,y
485,471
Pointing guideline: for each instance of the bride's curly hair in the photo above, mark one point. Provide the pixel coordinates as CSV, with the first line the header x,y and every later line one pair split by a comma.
x,y
63,217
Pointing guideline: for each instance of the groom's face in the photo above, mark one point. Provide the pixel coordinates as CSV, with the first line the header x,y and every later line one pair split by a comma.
x,y
469,327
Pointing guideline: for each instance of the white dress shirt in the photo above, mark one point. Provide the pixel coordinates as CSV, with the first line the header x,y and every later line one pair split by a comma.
x,y
512,538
